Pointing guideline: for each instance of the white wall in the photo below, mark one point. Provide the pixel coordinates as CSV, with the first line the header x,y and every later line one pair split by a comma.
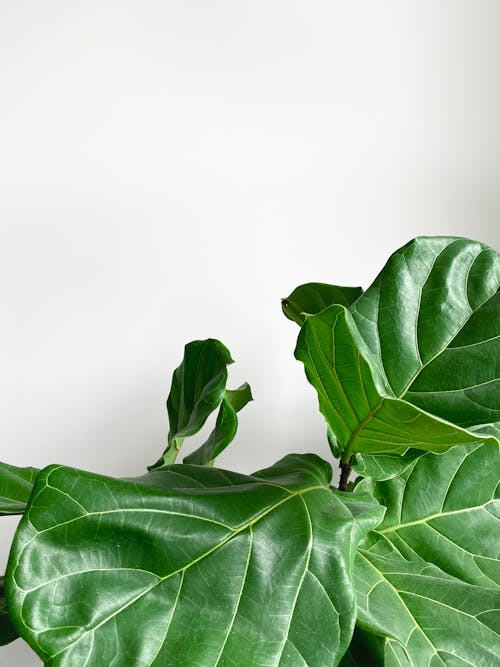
x,y
169,170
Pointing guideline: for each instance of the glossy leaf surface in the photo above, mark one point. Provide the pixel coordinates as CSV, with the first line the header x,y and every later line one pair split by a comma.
x,y
189,566
431,321
198,386
15,488
7,630
225,427
427,577
363,417
312,298
445,510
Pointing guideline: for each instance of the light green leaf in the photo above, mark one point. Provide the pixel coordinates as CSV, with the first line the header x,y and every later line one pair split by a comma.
x,y
7,630
15,488
189,566
225,427
312,298
384,466
431,321
198,386
363,417
428,577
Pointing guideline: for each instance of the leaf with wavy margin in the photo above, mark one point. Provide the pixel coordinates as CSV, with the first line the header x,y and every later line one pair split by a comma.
x,y
189,566
427,578
312,298
225,426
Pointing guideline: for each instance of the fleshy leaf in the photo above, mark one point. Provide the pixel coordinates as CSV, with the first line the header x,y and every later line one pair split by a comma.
x,y
364,417
225,427
7,630
431,321
445,509
189,565
16,485
198,387
427,578
312,298
427,616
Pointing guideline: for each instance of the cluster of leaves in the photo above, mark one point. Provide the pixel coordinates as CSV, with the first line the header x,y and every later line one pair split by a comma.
x,y
193,565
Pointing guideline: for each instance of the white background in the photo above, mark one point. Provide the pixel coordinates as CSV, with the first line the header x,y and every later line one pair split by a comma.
x,y
169,170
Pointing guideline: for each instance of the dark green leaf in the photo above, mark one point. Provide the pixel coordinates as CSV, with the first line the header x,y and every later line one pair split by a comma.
x,y
198,386
225,427
7,630
365,650
189,566
428,577
431,321
312,298
15,488
363,417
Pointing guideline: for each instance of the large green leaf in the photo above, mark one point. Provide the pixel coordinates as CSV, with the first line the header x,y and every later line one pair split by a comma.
x,y
16,485
431,321
225,427
312,298
444,509
7,630
428,577
189,565
364,417
198,386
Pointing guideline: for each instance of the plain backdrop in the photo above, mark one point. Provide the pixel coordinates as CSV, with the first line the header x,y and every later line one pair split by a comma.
x,y
170,169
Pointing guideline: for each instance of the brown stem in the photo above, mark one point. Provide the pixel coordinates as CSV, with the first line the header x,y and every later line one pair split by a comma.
x,y
345,471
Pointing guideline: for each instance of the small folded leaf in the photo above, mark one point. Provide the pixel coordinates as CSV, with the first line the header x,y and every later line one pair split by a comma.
x,y
428,577
198,386
363,417
225,427
189,565
15,488
312,298
7,630
384,466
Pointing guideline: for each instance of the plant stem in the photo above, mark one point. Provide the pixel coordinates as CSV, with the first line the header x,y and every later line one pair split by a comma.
x,y
345,471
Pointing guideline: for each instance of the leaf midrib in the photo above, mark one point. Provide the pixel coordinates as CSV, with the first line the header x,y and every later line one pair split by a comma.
x,y
160,580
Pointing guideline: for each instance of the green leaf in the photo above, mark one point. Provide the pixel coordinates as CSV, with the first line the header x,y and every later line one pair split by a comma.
x,y
431,321
225,427
385,466
312,298
15,488
427,578
7,630
189,566
444,509
198,386
363,417
430,617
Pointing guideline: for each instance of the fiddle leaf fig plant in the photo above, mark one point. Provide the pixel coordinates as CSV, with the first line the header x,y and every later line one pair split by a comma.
x,y
194,565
